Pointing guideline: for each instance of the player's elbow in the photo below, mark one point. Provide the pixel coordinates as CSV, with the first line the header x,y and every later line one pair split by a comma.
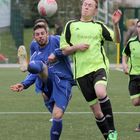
x,y
66,51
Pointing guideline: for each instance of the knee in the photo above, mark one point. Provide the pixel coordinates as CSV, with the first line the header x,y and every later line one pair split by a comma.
x,y
57,114
100,91
136,102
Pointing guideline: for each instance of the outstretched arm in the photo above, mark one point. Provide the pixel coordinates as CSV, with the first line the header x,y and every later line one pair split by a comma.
x,y
116,18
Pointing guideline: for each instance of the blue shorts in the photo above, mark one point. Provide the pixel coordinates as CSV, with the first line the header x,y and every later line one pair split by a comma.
x,y
60,94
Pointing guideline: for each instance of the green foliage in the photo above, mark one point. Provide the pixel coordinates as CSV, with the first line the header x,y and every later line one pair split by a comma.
x,y
7,46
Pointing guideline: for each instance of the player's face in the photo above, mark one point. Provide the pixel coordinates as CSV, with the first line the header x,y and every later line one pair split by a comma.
x,y
41,36
138,28
89,8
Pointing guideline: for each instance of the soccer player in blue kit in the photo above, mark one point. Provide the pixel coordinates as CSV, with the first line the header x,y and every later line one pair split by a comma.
x,y
55,82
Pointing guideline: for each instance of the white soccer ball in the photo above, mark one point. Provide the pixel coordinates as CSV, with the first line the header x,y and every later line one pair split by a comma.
x,y
47,7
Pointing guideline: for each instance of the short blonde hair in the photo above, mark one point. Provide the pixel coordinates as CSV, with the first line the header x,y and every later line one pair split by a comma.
x,y
96,1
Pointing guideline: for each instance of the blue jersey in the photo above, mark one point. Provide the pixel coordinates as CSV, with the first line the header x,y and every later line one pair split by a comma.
x,y
62,66
33,47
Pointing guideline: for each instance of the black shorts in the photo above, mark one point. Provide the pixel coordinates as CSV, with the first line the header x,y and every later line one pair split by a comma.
x,y
134,85
87,83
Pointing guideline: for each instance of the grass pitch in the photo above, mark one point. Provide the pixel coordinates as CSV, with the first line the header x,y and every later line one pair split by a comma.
x,y
24,117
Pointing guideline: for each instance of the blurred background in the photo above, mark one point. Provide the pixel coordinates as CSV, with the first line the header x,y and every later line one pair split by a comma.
x,y
17,19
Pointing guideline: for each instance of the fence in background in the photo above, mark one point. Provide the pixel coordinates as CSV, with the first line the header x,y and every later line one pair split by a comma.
x,y
22,17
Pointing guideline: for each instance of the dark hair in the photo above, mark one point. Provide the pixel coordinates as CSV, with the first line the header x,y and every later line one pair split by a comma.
x,y
38,26
41,20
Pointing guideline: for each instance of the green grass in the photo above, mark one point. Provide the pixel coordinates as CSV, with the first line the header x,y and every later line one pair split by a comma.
x,y
76,126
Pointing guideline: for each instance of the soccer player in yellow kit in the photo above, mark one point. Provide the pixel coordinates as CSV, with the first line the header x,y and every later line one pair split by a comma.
x,y
84,39
131,66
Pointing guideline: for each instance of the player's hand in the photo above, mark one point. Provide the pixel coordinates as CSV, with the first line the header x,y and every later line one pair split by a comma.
x,y
82,47
116,16
52,58
125,69
17,87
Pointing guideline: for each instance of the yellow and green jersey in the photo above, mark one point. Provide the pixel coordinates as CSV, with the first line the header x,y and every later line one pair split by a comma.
x,y
132,50
92,33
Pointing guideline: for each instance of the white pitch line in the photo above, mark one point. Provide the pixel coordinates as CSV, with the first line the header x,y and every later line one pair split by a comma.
x,y
76,113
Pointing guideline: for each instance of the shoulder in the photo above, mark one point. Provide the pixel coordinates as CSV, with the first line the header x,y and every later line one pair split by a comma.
x,y
34,45
100,23
33,42
107,32
132,39
54,40
54,37
71,22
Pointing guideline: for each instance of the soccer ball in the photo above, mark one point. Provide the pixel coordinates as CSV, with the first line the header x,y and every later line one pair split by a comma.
x,y
47,7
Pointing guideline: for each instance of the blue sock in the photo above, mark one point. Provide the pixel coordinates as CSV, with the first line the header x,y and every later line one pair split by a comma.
x,y
56,129
35,67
